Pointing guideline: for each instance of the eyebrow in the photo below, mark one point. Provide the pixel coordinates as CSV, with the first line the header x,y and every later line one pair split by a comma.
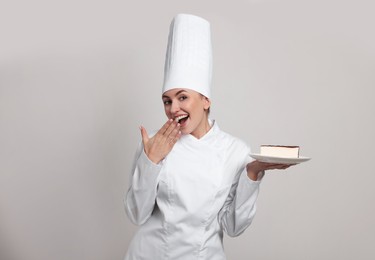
x,y
178,92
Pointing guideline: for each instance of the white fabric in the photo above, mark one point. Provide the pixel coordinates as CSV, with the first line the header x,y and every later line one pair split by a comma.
x,y
188,61
184,203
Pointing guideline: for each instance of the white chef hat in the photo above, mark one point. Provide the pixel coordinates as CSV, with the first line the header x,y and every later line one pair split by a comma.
x,y
188,61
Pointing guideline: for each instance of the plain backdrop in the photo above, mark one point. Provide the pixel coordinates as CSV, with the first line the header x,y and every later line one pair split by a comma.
x,y
78,77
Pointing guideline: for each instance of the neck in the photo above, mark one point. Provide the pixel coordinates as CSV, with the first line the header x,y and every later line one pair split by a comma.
x,y
203,129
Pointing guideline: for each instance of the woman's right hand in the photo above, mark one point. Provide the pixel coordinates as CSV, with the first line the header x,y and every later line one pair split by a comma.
x,y
158,146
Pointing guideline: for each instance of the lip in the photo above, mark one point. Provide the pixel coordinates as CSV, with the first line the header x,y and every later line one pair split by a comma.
x,y
182,125
181,115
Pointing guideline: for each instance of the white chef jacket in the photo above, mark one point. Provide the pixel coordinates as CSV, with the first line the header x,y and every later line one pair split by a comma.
x,y
184,203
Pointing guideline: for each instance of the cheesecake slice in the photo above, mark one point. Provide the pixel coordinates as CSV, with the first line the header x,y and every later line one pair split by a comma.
x,y
280,151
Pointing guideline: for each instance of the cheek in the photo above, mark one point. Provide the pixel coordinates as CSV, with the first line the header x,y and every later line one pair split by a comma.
x,y
198,108
167,112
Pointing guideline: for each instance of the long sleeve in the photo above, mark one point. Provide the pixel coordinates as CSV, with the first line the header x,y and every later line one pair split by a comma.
x,y
141,195
240,206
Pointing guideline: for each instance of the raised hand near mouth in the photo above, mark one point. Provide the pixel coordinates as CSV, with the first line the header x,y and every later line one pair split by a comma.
x,y
158,146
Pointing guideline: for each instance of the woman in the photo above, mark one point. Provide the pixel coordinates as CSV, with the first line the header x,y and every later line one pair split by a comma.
x,y
191,181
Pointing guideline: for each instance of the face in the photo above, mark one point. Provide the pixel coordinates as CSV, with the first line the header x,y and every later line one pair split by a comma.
x,y
189,108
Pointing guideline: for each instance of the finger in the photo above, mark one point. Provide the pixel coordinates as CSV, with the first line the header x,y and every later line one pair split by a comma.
x,y
270,165
288,165
175,138
279,166
165,126
176,131
172,127
285,165
144,135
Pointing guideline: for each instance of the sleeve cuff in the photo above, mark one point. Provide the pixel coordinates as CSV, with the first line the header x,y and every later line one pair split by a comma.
x,y
247,179
148,170
147,160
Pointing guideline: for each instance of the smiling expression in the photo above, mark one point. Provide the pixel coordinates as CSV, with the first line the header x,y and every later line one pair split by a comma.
x,y
189,108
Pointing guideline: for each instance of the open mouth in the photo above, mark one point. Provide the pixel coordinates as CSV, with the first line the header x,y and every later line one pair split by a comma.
x,y
182,119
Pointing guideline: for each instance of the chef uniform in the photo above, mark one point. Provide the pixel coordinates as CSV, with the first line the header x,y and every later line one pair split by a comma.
x,y
200,189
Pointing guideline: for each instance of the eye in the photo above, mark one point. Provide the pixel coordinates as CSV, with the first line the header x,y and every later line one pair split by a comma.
x,y
166,102
182,98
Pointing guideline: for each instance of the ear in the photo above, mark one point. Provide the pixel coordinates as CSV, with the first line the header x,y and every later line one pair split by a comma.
x,y
207,103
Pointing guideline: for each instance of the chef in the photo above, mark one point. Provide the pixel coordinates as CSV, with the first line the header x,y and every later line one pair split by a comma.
x,y
190,181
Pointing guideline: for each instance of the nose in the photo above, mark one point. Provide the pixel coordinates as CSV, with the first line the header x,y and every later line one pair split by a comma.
x,y
175,107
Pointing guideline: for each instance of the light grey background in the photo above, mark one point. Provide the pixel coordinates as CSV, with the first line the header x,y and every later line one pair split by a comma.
x,y
78,77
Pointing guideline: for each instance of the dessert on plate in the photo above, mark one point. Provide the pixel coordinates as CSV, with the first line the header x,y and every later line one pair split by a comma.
x,y
284,151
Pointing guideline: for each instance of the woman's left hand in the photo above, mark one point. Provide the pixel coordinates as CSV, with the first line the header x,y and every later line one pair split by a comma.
x,y
256,167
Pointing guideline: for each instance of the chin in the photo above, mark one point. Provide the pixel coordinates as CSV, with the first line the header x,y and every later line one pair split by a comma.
x,y
183,132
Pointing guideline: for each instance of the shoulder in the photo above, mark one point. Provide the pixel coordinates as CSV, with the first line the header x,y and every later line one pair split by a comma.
x,y
235,149
233,143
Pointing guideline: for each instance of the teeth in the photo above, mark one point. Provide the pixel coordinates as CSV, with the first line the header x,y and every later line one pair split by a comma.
x,y
181,117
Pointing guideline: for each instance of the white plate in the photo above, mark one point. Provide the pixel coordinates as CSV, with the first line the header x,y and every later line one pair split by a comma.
x,y
283,160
